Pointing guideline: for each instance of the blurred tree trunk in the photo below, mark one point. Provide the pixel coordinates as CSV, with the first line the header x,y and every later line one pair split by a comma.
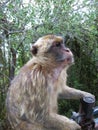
x,y
96,20
11,51
96,24
13,63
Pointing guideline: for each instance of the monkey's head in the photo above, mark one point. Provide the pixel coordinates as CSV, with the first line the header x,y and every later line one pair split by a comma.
x,y
52,47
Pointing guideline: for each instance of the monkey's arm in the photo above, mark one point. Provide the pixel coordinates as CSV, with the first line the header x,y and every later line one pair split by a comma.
x,y
72,93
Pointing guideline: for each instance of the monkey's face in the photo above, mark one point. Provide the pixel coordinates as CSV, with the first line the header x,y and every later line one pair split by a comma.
x,y
52,47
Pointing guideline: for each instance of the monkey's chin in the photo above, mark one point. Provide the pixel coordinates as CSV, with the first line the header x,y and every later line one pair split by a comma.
x,y
66,61
70,60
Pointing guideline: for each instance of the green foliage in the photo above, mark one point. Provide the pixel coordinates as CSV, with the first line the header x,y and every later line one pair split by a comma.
x,y
21,24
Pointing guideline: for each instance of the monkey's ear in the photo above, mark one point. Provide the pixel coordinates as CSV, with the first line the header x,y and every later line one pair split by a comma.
x,y
34,50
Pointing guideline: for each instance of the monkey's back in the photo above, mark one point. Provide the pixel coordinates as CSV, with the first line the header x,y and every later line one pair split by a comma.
x,y
27,97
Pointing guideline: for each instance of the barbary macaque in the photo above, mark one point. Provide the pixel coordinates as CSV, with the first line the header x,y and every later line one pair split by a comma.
x,y
32,97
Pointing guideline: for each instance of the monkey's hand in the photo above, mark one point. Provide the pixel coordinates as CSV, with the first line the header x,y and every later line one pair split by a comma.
x,y
86,94
74,126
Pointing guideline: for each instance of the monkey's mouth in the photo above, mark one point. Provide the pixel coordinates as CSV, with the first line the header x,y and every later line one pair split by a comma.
x,y
66,60
70,60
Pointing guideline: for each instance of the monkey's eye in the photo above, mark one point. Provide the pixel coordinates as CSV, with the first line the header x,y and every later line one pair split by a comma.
x,y
58,44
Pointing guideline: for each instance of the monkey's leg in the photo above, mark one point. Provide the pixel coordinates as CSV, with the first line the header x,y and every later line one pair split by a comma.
x,y
29,126
58,122
53,122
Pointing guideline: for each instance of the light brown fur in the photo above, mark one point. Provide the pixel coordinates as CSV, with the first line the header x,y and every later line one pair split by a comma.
x,y
32,97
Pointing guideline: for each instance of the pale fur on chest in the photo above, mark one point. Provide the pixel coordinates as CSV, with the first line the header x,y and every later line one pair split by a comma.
x,y
55,86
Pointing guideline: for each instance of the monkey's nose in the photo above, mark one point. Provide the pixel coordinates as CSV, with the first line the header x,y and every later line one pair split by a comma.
x,y
67,49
